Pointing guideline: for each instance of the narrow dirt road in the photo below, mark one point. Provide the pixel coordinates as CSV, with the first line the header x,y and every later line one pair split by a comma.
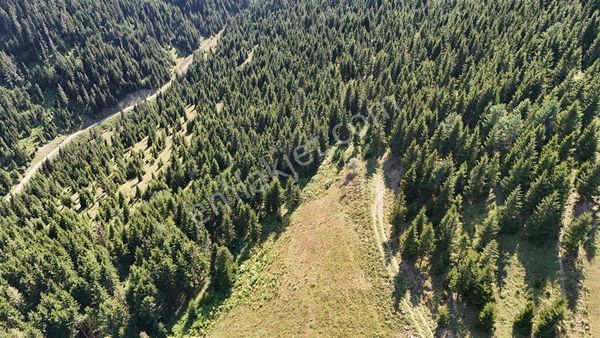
x,y
567,219
52,148
418,321
377,210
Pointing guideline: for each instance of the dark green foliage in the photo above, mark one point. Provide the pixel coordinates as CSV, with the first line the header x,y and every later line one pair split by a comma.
x,y
588,181
418,240
487,231
398,213
56,314
548,318
524,319
65,61
504,128
545,222
486,318
273,198
509,214
587,145
135,167
467,122
376,140
482,177
426,240
225,269
86,199
5,182
443,316
576,233
473,275
292,194
448,232
409,243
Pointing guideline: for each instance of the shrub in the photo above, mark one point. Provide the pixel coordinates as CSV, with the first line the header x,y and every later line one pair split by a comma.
x,y
443,316
576,232
66,201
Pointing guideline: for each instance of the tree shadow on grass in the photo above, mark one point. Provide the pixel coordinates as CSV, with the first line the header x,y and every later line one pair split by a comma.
x,y
590,246
273,224
401,288
203,309
392,173
371,165
540,263
573,275
508,244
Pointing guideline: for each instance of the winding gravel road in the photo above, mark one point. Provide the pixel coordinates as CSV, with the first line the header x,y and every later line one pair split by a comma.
x,y
52,148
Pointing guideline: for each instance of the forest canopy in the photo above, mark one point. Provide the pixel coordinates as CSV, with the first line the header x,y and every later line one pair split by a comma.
x,y
63,61
495,109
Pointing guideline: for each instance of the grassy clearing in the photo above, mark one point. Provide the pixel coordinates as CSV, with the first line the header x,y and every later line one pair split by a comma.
x,y
591,307
177,56
29,144
248,59
588,307
219,106
152,166
320,276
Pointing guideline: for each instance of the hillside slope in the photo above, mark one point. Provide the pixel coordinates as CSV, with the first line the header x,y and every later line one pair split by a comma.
x,y
322,275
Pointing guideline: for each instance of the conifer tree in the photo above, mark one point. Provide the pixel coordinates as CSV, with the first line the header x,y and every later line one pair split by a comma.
x,y
225,269
272,198
488,230
576,232
409,243
292,194
450,227
587,145
509,214
545,221
588,181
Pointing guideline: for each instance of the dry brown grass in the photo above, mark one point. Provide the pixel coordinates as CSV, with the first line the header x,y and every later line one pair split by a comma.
x,y
249,58
324,278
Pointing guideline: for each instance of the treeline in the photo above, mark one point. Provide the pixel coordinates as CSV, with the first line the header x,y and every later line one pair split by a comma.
x,y
514,125
63,61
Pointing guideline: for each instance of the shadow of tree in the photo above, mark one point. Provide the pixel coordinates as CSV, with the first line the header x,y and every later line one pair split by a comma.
x,y
540,263
573,275
392,172
205,306
401,288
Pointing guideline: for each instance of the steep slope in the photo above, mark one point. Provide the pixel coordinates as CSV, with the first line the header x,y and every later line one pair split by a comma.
x,y
492,112
322,275
64,62
51,149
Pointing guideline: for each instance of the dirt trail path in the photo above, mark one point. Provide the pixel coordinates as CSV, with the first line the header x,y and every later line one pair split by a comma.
x,y
567,219
318,281
418,321
377,211
52,148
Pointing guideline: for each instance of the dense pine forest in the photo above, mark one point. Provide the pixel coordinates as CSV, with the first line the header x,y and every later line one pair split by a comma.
x,y
64,61
489,109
